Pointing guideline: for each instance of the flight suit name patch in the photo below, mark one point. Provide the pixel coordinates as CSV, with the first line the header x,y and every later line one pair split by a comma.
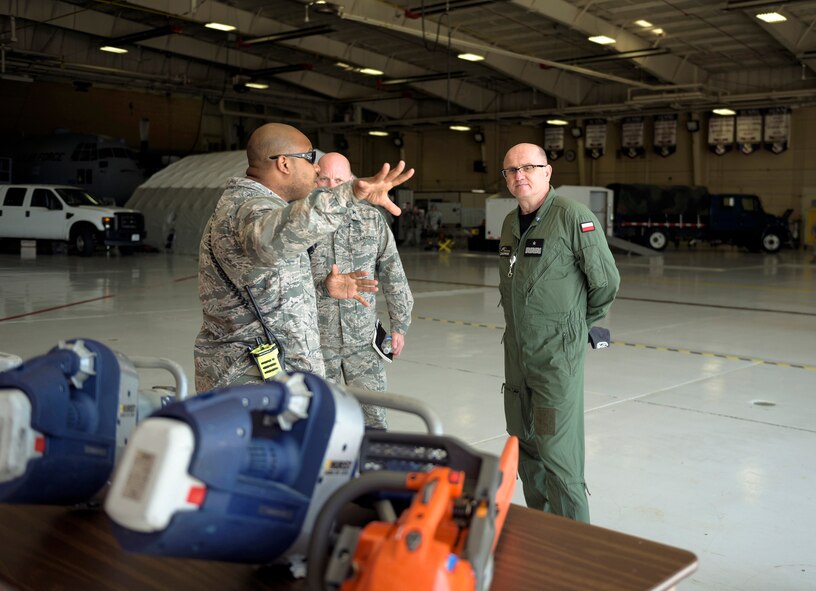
x,y
533,247
504,251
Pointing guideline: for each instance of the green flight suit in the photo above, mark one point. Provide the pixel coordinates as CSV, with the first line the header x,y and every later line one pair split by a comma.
x,y
556,281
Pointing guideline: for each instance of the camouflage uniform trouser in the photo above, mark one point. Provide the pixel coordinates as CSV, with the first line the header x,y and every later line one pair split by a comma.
x,y
360,367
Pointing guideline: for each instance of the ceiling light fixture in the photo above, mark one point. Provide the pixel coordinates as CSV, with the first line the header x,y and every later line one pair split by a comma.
x,y
602,39
470,57
557,122
459,128
771,17
725,112
644,24
658,31
220,27
350,68
112,49
378,133
16,77
257,85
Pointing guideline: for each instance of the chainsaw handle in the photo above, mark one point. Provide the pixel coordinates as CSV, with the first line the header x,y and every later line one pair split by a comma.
x,y
369,482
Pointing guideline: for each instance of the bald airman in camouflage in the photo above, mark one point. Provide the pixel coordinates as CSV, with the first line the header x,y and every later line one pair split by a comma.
x,y
257,237
363,242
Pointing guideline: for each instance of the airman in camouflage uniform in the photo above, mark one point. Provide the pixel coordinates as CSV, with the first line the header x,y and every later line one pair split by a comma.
x,y
364,243
259,233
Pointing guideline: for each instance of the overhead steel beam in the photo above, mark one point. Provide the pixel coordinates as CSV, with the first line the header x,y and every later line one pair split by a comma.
x,y
287,35
743,4
563,85
446,7
144,35
94,24
250,23
668,68
793,35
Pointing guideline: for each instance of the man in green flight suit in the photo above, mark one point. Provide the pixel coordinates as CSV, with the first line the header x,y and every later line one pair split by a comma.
x,y
557,278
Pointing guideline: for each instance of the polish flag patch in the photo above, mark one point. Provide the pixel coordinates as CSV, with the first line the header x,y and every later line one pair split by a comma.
x,y
587,227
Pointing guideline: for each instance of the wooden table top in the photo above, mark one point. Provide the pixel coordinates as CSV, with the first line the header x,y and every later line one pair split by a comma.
x,y
56,549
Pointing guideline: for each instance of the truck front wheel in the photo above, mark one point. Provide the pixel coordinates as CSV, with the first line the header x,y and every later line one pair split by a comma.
x,y
657,239
84,241
771,241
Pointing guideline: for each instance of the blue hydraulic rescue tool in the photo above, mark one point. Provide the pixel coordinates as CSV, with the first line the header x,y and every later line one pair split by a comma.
x,y
237,474
240,473
66,416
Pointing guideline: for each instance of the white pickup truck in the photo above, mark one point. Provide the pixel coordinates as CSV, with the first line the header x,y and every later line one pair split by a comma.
x,y
63,212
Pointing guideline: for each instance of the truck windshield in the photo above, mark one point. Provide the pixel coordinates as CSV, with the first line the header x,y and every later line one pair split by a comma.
x,y
77,197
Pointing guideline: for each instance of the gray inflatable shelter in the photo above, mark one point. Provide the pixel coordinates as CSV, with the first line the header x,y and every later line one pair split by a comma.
x,y
178,200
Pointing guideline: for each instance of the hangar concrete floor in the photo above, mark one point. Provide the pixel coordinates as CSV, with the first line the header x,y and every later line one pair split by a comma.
x,y
701,417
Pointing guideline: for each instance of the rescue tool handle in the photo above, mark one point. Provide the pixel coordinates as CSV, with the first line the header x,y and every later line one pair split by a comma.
x,y
171,366
402,403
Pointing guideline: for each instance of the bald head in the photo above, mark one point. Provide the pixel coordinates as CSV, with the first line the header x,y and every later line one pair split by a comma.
x,y
335,169
290,177
527,175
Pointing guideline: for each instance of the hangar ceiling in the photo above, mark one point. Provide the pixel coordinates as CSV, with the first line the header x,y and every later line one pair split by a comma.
x,y
312,56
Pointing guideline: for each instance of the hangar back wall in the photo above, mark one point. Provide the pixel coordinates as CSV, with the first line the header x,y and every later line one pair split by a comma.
x,y
445,160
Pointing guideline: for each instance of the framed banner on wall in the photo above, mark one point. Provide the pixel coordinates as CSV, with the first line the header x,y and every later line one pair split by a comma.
x,y
777,129
665,135
720,134
595,143
632,137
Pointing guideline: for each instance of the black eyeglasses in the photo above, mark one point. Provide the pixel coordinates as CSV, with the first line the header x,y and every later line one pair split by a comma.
x,y
525,169
310,156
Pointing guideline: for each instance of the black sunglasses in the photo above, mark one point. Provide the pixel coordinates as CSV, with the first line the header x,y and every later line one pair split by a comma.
x,y
310,156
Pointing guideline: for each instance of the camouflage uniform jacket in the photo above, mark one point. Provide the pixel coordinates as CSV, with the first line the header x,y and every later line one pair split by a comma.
x,y
363,243
261,241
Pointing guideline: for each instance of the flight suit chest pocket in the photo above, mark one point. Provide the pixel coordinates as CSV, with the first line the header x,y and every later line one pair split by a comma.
x,y
554,264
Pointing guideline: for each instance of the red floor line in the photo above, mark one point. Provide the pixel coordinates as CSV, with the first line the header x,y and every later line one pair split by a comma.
x,y
104,297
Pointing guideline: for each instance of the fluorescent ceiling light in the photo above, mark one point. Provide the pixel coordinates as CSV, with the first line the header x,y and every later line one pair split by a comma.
x,y
724,112
602,40
771,17
378,133
112,49
644,24
220,27
657,31
257,85
459,128
470,57
350,68
16,77
557,122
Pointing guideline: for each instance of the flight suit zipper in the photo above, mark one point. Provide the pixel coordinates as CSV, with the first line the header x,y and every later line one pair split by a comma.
x,y
513,260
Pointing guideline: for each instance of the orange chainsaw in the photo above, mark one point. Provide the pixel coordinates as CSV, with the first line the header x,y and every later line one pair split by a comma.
x,y
443,541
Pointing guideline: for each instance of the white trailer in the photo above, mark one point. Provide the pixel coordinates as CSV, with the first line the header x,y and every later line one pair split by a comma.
x,y
598,199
